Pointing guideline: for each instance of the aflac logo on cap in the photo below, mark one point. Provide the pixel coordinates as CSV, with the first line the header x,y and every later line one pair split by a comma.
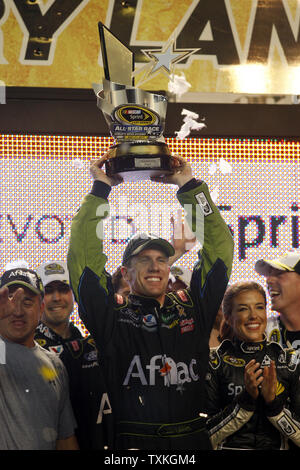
x,y
30,276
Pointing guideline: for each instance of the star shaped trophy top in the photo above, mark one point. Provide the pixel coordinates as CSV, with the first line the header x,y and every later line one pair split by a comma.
x,y
135,117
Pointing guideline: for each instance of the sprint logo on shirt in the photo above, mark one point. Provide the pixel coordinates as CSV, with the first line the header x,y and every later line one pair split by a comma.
x,y
161,366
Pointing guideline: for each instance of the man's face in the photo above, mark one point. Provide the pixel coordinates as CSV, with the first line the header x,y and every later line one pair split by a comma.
x,y
148,274
248,318
19,327
284,290
59,303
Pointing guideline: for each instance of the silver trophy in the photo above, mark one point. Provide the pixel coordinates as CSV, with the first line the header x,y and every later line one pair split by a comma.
x,y
135,117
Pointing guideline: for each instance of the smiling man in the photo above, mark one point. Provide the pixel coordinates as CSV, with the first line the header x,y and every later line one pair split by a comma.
x,y
155,344
58,334
283,283
35,410
56,328
146,266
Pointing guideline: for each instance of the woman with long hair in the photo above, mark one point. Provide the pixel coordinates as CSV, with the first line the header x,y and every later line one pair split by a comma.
x,y
252,386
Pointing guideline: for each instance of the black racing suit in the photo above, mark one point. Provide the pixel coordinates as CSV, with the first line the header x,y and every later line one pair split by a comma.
x,y
156,357
236,420
49,339
88,393
276,331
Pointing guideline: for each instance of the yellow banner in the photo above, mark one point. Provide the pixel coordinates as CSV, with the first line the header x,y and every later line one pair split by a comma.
x,y
231,46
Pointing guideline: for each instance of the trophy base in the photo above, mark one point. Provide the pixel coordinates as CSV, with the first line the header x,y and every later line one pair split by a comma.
x,y
139,161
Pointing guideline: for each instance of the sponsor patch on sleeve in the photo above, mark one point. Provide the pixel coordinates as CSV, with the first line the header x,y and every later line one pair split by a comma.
x,y
204,204
56,349
187,325
183,297
286,426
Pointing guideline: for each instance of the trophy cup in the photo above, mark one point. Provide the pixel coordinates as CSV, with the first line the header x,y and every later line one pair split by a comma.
x,y
135,117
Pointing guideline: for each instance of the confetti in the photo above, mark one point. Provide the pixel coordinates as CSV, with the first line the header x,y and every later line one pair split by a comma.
x,y
78,164
189,114
178,85
225,167
189,123
18,263
212,169
214,194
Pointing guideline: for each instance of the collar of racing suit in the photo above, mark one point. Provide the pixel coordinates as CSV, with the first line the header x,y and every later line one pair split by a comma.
x,y
250,347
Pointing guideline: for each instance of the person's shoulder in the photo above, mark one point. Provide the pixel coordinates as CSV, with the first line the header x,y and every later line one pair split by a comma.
x,y
286,356
76,333
273,328
48,356
80,346
291,357
216,354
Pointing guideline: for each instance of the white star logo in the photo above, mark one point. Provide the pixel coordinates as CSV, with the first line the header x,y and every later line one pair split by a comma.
x,y
164,59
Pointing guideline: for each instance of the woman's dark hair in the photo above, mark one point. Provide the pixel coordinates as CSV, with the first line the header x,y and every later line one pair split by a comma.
x,y
232,291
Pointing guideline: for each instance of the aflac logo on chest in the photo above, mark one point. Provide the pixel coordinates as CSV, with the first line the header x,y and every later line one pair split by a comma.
x,y
161,366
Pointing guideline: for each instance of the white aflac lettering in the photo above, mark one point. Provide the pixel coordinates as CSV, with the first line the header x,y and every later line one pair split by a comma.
x,y
152,368
183,373
194,376
162,366
136,362
105,408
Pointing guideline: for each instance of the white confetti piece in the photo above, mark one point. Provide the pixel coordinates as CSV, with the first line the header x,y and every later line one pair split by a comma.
x,y
212,168
189,123
225,167
178,85
2,352
17,263
214,194
78,164
189,114
184,131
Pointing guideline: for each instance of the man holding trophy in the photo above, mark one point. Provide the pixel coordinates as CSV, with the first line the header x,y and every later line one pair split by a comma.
x,y
154,346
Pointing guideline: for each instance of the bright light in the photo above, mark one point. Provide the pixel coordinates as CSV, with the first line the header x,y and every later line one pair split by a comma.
x,y
250,78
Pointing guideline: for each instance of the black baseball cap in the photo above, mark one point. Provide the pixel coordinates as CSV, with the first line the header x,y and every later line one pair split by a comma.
x,y
143,240
23,277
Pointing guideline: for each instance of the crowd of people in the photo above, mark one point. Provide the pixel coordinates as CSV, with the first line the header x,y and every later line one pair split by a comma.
x,y
173,360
